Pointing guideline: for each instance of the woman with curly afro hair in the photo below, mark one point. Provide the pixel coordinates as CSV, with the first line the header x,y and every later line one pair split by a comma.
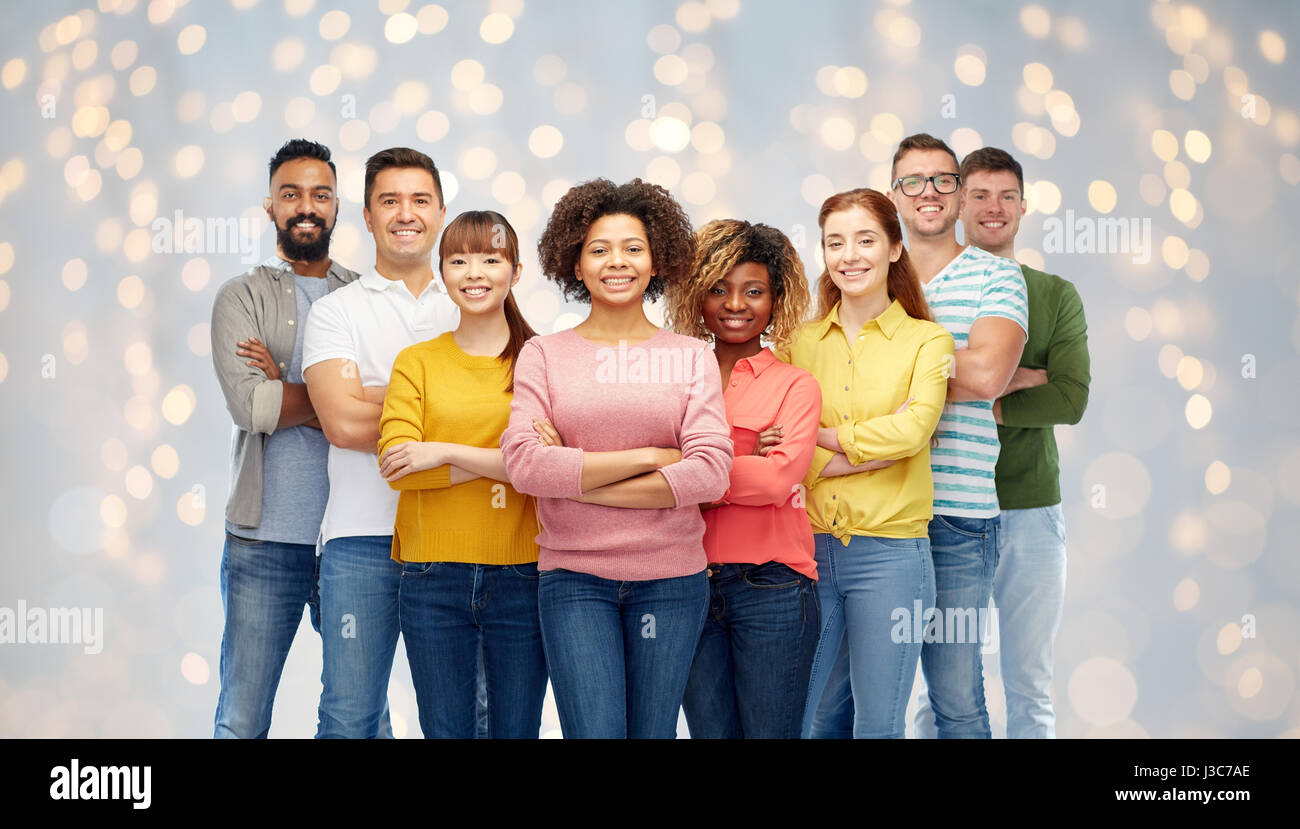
x,y
750,675
618,428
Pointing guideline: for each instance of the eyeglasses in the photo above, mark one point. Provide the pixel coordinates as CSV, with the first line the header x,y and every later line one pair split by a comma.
x,y
944,183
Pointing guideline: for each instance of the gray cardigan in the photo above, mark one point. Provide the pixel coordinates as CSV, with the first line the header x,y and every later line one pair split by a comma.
x,y
259,303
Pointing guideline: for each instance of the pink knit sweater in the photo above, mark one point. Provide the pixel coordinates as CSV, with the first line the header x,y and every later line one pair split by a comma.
x,y
664,392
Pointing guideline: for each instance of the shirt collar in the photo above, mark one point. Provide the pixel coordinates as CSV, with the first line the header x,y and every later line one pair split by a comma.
x,y
888,321
759,363
280,266
373,281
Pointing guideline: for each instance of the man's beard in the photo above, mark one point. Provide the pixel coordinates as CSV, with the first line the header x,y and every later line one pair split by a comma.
x,y
296,251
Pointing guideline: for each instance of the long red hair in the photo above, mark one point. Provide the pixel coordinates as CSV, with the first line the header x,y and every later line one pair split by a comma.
x,y
902,282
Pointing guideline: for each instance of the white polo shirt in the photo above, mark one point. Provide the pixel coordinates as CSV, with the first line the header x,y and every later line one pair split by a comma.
x,y
369,321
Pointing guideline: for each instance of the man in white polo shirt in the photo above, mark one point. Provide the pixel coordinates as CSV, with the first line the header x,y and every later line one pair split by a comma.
x,y
981,299
352,337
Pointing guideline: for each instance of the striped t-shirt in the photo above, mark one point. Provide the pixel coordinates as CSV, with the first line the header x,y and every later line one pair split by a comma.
x,y
975,284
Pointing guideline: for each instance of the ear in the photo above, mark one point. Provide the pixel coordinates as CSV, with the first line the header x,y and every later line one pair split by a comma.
x,y
266,205
1023,205
519,269
365,214
896,252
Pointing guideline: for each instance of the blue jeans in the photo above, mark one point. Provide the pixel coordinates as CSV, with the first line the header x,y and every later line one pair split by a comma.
x,y
868,650
1029,590
452,611
264,585
619,652
965,557
750,674
359,586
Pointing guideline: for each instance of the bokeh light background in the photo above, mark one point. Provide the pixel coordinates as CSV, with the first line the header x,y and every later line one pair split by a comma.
x,y
1180,485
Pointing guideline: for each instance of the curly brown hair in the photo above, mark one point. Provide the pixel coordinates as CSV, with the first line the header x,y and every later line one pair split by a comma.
x,y
722,245
667,227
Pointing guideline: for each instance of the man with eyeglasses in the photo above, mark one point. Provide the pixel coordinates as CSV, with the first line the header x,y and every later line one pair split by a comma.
x,y
981,299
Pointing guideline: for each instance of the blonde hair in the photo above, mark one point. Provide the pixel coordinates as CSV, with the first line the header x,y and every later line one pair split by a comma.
x,y
720,246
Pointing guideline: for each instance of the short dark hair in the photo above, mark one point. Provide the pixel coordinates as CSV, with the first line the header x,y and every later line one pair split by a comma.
x,y
992,159
667,227
920,141
296,148
400,157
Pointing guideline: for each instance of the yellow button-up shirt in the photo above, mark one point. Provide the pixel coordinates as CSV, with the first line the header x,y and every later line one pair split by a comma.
x,y
894,357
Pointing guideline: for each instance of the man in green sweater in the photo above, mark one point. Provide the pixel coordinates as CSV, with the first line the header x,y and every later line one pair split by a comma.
x,y
1050,386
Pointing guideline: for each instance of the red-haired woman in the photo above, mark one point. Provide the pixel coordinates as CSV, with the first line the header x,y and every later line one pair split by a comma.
x,y
883,367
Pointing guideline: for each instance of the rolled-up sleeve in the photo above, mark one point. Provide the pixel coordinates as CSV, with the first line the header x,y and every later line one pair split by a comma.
x,y
757,481
704,472
252,400
533,468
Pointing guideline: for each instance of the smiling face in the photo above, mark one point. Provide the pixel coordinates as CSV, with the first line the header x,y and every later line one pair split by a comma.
x,y
405,215
992,211
739,307
479,282
858,252
930,214
303,207
615,262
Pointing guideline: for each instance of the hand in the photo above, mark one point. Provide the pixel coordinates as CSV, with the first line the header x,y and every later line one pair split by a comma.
x,y
768,439
374,394
997,411
546,432
903,407
412,456
1025,378
253,347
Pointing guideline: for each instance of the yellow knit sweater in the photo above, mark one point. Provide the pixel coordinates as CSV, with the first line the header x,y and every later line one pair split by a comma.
x,y
437,392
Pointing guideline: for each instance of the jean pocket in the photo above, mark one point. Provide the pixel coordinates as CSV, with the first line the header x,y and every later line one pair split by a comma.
x,y
772,576
525,571
243,542
969,527
541,574
417,569
1055,522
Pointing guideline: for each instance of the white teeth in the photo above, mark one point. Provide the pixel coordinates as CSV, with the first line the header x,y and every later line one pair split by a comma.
x,y
406,232
617,280
735,323
476,291
852,273
927,209
305,224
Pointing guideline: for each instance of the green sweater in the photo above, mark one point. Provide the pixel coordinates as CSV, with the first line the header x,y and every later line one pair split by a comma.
x,y
1028,470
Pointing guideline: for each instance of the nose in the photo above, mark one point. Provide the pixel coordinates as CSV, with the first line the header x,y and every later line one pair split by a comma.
x,y
616,257
735,301
404,211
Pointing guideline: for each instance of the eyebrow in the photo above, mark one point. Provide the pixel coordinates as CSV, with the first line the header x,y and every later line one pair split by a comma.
x,y
625,239
297,187
416,195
